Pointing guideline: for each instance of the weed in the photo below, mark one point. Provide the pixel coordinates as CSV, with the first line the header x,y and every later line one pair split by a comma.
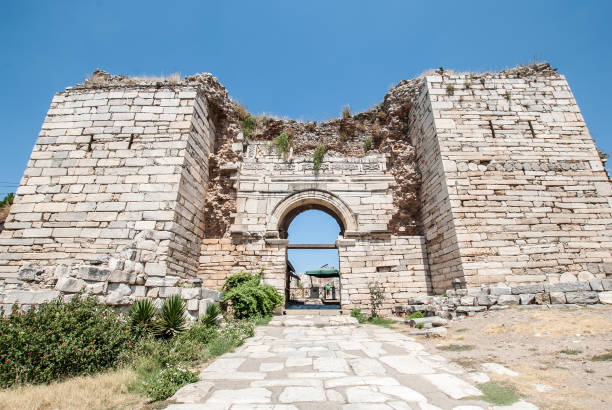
x,y
379,321
356,313
606,357
507,95
416,315
360,126
367,144
282,143
499,393
241,112
262,320
571,352
450,89
420,325
377,297
248,124
456,348
461,330
346,112
318,155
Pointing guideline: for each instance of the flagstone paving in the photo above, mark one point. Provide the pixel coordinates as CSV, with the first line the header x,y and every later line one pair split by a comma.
x,y
291,364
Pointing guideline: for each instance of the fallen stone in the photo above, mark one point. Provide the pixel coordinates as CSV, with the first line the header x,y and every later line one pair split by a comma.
x,y
469,309
69,285
436,332
434,320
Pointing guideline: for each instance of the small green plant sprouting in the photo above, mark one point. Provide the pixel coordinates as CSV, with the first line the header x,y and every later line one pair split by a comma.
x,y
346,112
318,155
356,313
507,96
416,315
450,89
248,125
420,325
499,393
571,352
282,143
379,321
377,297
212,315
367,144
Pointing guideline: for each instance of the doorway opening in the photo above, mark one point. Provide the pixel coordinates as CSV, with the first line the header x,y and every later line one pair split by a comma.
x,y
313,271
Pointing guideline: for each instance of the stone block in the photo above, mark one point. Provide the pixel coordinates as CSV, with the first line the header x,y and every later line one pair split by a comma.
x,y
155,269
120,276
596,285
467,301
542,299
528,289
165,292
470,309
69,285
192,304
582,297
507,300
28,297
497,291
527,298
557,298
161,282
606,284
191,293
605,297
93,273
567,287
29,274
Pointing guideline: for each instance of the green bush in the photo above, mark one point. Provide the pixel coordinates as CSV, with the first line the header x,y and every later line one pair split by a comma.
x,y
211,317
249,123
8,200
163,384
61,339
356,313
318,155
282,143
367,144
416,315
142,313
248,297
171,320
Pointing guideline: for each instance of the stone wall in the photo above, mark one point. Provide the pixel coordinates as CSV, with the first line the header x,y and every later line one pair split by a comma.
x,y
529,198
397,264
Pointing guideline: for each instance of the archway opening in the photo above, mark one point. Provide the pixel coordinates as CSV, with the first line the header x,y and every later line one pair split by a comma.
x,y
313,271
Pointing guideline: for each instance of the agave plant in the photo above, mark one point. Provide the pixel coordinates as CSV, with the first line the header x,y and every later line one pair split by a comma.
x,y
142,313
211,317
171,320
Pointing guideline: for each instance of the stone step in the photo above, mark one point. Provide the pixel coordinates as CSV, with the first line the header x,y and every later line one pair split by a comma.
x,y
312,312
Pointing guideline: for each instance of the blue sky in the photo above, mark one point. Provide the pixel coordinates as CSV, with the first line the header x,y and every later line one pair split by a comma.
x,y
313,227
303,60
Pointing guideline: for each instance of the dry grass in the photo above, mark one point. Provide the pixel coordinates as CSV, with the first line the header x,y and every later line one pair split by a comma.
x,y
554,324
101,391
102,79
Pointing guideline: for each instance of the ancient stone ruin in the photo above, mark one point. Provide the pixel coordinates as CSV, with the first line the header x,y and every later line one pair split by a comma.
x,y
144,188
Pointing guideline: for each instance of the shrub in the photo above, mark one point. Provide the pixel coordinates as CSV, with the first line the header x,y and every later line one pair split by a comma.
x,y
142,313
346,112
356,313
61,339
171,320
8,200
163,384
416,315
249,123
282,143
248,297
367,144
211,317
377,297
318,156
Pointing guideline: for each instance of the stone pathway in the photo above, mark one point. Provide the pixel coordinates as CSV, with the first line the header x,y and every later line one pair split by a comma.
x,y
309,363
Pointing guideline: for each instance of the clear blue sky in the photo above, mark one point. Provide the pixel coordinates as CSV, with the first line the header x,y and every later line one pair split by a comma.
x,y
304,59
313,227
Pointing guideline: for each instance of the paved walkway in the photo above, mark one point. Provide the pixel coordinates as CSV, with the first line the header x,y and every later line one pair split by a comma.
x,y
302,363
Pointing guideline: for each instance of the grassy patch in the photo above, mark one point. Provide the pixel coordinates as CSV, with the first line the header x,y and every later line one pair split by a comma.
x,y
461,330
455,348
606,357
416,315
263,320
379,321
571,352
498,393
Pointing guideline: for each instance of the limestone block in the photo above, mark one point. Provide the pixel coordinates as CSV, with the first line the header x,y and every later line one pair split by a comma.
x,y
468,301
586,297
166,292
557,298
29,297
596,285
497,291
568,277
568,287
528,289
161,281
606,297
507,300
191,293
155,269
69,285
120,276
542,298
192,304
96,288
527,298
606,284
30,274
93,273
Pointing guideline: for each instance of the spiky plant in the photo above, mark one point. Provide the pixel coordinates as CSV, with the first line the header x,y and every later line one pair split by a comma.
x,y
171,319
142,313
211,317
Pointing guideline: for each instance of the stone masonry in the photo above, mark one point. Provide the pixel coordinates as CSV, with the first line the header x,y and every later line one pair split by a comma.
x,y
142,188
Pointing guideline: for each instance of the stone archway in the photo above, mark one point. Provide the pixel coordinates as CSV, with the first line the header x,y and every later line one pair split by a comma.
x,y
294,204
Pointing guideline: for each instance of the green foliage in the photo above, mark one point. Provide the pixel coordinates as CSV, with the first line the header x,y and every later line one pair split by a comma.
x,y
282,143
377,297
318,155
367,144
450,89
142,313
356,313
416,315
8,200
420,325
171,320
379,321
248,124
211,317
248,297
61,339
163,384
499,393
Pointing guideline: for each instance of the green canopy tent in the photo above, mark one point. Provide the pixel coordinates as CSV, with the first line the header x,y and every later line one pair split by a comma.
x,y
323,273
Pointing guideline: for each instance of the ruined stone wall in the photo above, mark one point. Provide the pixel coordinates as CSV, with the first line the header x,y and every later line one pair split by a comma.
x,y
529,198
397,264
